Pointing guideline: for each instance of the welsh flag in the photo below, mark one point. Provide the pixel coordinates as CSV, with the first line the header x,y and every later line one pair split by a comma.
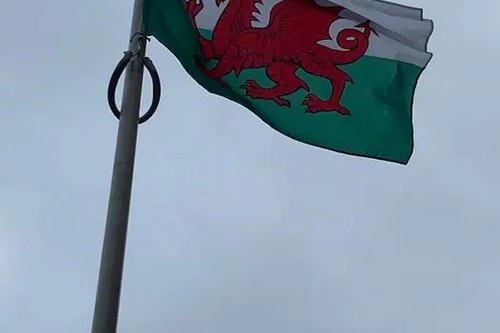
x,y
337,74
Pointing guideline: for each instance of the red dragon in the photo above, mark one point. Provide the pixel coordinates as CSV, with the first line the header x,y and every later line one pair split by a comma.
x,y
287,43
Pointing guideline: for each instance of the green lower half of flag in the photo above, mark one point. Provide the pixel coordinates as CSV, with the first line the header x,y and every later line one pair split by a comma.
x,y
379,99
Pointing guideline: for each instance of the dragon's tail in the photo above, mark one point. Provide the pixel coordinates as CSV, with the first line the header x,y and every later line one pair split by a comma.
x,y
353,40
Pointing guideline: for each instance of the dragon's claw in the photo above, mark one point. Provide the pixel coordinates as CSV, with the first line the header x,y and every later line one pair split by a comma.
x,y
250,84
315,105
254,90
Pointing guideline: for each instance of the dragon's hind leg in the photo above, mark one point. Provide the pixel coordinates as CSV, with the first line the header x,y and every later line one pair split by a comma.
x,y
338,80
285,79
223,67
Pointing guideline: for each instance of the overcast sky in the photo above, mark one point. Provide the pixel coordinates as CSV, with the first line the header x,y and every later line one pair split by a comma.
x,y
234,227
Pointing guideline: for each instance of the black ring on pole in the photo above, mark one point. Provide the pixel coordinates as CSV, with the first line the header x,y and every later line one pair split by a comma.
x,y
113,82
155,79
115,77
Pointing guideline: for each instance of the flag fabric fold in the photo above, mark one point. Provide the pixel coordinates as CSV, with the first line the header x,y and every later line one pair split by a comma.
x,y
337,74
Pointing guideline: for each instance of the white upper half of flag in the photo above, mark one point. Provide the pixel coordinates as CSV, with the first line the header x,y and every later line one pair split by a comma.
x,y
403,33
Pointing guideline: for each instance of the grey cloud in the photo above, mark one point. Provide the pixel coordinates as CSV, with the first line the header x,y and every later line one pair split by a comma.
x,y
235,227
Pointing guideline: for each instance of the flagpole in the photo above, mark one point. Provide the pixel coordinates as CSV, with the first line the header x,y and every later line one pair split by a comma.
x,y
113,250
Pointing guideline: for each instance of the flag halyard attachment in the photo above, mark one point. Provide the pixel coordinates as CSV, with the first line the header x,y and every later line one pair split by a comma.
x,y
120,68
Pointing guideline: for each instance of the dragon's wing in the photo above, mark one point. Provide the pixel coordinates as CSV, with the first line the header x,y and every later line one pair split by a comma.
x,y
294,26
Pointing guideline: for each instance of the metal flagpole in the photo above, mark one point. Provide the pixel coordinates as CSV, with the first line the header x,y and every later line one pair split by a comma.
x,y
113,251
